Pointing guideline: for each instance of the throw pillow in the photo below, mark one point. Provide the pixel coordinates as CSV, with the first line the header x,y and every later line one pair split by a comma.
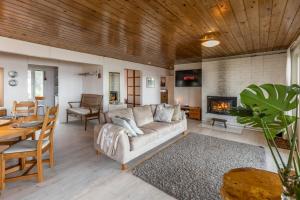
x,y
177,112
163,114
124,124
153,108
132,125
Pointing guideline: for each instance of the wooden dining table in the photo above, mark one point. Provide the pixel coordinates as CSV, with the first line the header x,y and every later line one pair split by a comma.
x,y
8,131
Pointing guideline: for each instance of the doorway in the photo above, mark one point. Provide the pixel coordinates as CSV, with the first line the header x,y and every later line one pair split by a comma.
x,y
1,87
114,87
133,82
43,82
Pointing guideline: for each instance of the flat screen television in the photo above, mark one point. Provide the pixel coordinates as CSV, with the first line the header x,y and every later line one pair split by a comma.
x,y
188,78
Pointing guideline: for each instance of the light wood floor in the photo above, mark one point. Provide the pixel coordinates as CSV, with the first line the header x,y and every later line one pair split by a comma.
x,y
80,174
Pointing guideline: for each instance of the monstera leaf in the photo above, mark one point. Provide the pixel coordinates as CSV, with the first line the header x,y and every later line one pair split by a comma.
x,y
274,123
265,107
270,99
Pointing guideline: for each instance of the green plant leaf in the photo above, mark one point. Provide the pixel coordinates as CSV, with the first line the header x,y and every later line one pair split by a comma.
x,y
275,124
269,103
270,99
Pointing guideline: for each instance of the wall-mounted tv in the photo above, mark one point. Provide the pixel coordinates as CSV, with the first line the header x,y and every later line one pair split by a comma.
x,y
188,78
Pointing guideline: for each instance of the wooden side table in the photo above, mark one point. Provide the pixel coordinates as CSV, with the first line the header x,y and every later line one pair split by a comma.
x,y
251,183
3,111
192,112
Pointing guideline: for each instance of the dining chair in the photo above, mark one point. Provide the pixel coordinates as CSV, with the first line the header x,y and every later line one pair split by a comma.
x,y
40,103
24,108
31,148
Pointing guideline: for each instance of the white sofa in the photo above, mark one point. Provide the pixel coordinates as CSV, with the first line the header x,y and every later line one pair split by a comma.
x,y
155,133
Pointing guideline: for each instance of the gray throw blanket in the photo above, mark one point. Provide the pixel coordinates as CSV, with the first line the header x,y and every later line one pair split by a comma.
x,y
108,138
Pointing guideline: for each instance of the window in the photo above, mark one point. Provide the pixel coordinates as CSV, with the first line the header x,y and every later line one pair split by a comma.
x,y
35,83
39,83
295,65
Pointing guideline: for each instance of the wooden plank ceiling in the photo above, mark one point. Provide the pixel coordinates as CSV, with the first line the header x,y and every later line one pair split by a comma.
x,y
156,32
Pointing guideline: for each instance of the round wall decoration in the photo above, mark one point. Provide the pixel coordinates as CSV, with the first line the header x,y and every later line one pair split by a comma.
x,y
12,74
13,82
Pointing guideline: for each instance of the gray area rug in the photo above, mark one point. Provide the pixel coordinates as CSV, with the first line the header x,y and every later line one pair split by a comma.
x,y
193,167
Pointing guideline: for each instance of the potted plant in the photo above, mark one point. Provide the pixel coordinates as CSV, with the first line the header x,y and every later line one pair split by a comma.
x,y
274,109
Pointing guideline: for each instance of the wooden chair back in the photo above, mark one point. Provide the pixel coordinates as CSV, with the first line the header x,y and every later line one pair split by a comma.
x,y
26,108
39,98
48,127
91,100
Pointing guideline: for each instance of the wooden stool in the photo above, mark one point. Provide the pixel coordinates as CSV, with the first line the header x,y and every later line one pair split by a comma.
x,y
3,111
219,120
250,183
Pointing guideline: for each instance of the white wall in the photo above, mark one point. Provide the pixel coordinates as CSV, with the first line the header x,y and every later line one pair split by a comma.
x,y
92,84
70,65
229,77
11,62
70,84
188,95
149,95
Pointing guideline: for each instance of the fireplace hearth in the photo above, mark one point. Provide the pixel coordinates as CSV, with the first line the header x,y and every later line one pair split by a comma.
x,y
220,104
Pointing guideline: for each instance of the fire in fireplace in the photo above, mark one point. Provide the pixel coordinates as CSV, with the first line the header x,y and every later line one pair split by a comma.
x,y
113,96
220,105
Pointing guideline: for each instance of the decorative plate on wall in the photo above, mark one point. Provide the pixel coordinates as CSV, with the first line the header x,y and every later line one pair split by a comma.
x,y
13,82
12,74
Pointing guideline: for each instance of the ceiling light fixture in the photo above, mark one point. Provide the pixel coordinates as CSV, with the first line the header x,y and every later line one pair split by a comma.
x,y
210,39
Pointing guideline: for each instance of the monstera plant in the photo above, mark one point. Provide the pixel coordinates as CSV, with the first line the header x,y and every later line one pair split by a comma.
x,y
274,109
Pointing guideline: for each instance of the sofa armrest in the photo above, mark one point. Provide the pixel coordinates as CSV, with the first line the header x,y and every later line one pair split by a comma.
x,y
123,146
183,115
97,129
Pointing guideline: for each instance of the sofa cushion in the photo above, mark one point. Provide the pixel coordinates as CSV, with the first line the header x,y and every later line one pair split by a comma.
x,y
163,114
157,126
127,112
152,132
142,115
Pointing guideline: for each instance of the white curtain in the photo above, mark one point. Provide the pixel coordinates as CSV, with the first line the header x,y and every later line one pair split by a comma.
x,y
293,70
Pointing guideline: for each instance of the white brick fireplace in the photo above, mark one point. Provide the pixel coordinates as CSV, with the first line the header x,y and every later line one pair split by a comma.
x,y
229,77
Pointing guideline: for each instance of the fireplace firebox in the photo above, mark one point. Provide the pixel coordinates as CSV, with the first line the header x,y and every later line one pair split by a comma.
x,y
220,105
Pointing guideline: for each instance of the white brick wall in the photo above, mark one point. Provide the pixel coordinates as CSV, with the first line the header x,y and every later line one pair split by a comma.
x,y
229,77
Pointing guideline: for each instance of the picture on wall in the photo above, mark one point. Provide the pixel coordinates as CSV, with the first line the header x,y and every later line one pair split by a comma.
x,y
150,82
162,81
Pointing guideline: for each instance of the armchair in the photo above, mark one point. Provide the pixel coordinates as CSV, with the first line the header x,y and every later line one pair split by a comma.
x,y
90,107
